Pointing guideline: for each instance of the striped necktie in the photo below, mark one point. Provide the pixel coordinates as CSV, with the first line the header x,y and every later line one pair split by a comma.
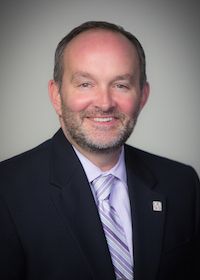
x,y
113,229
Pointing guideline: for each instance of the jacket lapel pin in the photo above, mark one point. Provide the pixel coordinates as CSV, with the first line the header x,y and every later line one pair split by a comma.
x,y
157,206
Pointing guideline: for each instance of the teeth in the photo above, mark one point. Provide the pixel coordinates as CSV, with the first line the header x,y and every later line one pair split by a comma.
x,y
103,119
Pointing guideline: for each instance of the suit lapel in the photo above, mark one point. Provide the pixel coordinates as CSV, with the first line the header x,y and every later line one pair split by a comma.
x,y
74,201
148,224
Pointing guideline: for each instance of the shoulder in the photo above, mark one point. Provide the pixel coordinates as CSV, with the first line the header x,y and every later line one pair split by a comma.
x,y
18,171
158,165
26,159
30,159
33,169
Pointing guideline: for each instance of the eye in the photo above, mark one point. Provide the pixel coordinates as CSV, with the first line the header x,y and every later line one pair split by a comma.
x,y
85,85
121,86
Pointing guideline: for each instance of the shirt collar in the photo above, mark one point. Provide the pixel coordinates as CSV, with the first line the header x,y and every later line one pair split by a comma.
x,y
92,171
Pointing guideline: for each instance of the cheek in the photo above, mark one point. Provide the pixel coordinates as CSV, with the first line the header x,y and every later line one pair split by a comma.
x,y
128,105
77,103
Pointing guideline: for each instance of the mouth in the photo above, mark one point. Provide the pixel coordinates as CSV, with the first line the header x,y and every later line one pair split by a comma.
x,y
102,120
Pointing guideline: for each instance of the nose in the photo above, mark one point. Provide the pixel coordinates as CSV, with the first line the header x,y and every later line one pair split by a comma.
x,y
104,100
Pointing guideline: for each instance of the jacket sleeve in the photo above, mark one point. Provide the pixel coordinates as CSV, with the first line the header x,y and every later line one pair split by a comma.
x,y
12,264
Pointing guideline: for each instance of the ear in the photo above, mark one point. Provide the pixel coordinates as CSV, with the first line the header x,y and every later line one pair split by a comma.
x,y
55,97
145,95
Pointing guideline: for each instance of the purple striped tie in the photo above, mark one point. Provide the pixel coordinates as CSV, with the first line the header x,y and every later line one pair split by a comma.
x,y
113,229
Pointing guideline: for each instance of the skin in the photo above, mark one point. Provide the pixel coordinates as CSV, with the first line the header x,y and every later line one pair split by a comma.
x,y
100,95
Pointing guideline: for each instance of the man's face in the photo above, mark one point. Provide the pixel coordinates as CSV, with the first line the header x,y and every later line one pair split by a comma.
x,y
100,92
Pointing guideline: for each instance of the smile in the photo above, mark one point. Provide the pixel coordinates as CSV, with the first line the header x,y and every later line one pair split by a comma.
x,y
102,119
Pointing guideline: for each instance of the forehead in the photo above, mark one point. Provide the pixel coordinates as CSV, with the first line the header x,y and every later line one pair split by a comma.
x,y
101,41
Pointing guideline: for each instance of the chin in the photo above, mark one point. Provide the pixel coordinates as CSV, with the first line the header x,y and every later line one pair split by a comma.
x,y
100,147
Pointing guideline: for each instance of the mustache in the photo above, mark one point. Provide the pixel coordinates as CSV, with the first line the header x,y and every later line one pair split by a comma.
x,y
98,112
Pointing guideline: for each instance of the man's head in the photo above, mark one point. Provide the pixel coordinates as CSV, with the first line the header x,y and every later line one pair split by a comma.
x,y
95,25
100,92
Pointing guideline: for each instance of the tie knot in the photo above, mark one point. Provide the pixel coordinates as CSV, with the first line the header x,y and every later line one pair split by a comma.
x,y
102,186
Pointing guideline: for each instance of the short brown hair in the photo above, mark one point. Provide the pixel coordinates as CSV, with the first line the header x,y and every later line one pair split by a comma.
x,y
58,63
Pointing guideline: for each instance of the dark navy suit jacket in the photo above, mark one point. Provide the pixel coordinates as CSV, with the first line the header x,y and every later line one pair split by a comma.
x,y
50,228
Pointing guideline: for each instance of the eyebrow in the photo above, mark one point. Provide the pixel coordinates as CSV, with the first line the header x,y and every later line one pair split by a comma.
x,y
77,75
125,77
81,75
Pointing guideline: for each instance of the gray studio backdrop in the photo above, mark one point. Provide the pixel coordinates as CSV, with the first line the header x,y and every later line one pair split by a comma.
x,y
169,33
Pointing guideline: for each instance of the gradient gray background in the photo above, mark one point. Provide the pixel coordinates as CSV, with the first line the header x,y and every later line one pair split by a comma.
x,y
169,33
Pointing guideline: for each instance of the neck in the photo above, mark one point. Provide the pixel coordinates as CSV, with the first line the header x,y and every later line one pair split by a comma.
x,y
103,161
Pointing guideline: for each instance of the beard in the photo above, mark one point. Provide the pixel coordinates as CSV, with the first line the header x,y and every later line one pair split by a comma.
x,y
94,139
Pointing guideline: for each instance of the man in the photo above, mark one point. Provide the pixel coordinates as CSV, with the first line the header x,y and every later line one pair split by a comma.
x,y
54,224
